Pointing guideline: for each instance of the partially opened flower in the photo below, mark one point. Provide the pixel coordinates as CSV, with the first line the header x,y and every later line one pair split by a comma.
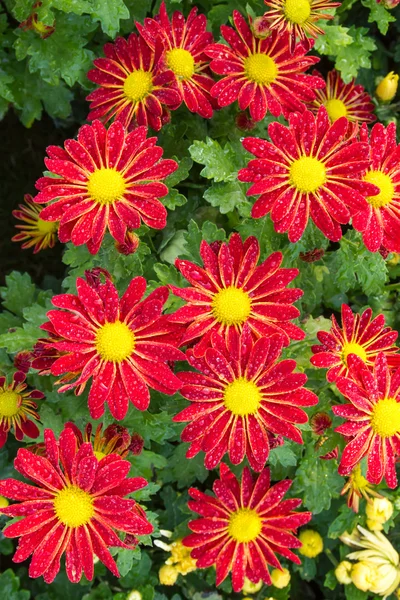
x,y
379,221
262,74
35,233
123,344
244,526
75,507
242,394
184,43
372,415
106,179
134,87
343,100
17,409
359,334
358,487
115,439
231,290
310,169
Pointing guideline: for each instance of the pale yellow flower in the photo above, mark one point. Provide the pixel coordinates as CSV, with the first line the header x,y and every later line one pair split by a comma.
x,y
343,571
280,578
312,543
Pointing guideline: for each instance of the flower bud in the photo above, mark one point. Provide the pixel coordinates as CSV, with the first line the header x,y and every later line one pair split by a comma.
x,y
134,595
320,422
167,575
374,525
280,578
129,245
251,588
387,88
244,121
363,575
260,27
380,510
312,543
343,572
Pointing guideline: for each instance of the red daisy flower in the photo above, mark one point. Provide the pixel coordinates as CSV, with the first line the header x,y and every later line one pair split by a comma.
x,y
232,290
379,221
244,526
242,394
184,44
17,408
359,335
343,100
123,344
261,74
311,168
35,232
104,179
115,439
372,419
135,89
76,507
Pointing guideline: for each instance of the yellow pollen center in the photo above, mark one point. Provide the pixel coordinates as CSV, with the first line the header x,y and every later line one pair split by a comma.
x,y
385,184
106,185
231,306
260,68
352,348
46,227
307,174
244,525
138,85
358,480
335,109
242,397
98,455
115,342
297,11
385,420
9,404
73,506
181,62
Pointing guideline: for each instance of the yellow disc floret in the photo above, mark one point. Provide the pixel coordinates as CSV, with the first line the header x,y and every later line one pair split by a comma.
x,y
335,109
73,506
168,575
138,85
231,306
46,227
353,348
98,455
385,419
260,68
385,185
181,62
297,11
307,174
244,525
115,342
9,403
3,502
106,185
242,397
312,543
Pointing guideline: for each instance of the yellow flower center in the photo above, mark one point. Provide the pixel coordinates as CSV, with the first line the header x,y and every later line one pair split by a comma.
x,y
385,184
98,455
260,68
106,185
46,227
307,174
297,11
39,26
138,85
73,506
244,525
358,480
115,342
231,306
9,404
352,348
385,420
181,62
242,397
335,109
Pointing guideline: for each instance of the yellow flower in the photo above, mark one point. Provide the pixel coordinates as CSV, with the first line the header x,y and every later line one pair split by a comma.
x,y
379,510
343,571
3,502
374,525
312,543
251,588
363,575
358,487
387,88
180,558
280,579
134,595
168,575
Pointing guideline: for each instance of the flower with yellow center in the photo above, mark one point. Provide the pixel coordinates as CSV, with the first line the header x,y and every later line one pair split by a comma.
x,y
138,85
280,578
385,185
35,232
231,306
73,506
379,510
343,572
115,342
181,62
3,502
336,109
115,439
106,185
17,409
307,174
251,588
385,418
244,525
168,575
353,348
312,543
358,487
242,397
364,575
260,69
297,11
387,88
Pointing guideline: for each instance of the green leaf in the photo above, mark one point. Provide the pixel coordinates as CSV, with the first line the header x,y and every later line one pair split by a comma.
x,y
283,455
18,293
219,162
174,199
330,580
379,15
125,560
345,521
353,593
9,586
194,236
227,196
109,13
183,471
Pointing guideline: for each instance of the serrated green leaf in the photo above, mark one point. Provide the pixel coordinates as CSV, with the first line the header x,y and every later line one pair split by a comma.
x,y
183,471
227,196
346,520
109,13
9,586
18,293
219,162
379,15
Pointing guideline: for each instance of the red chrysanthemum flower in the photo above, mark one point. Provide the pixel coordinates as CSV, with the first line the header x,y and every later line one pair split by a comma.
x,y
241,395
359,335
17,408
35,232
76,507
310,169
23,360
115,439
372,419
379,221
123,344
261,74
232,290
135,88
184,44
343,100
244,526
105,179
297,17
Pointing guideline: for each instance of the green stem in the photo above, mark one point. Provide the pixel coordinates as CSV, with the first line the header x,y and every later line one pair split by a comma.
x,y
331,557
392,286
